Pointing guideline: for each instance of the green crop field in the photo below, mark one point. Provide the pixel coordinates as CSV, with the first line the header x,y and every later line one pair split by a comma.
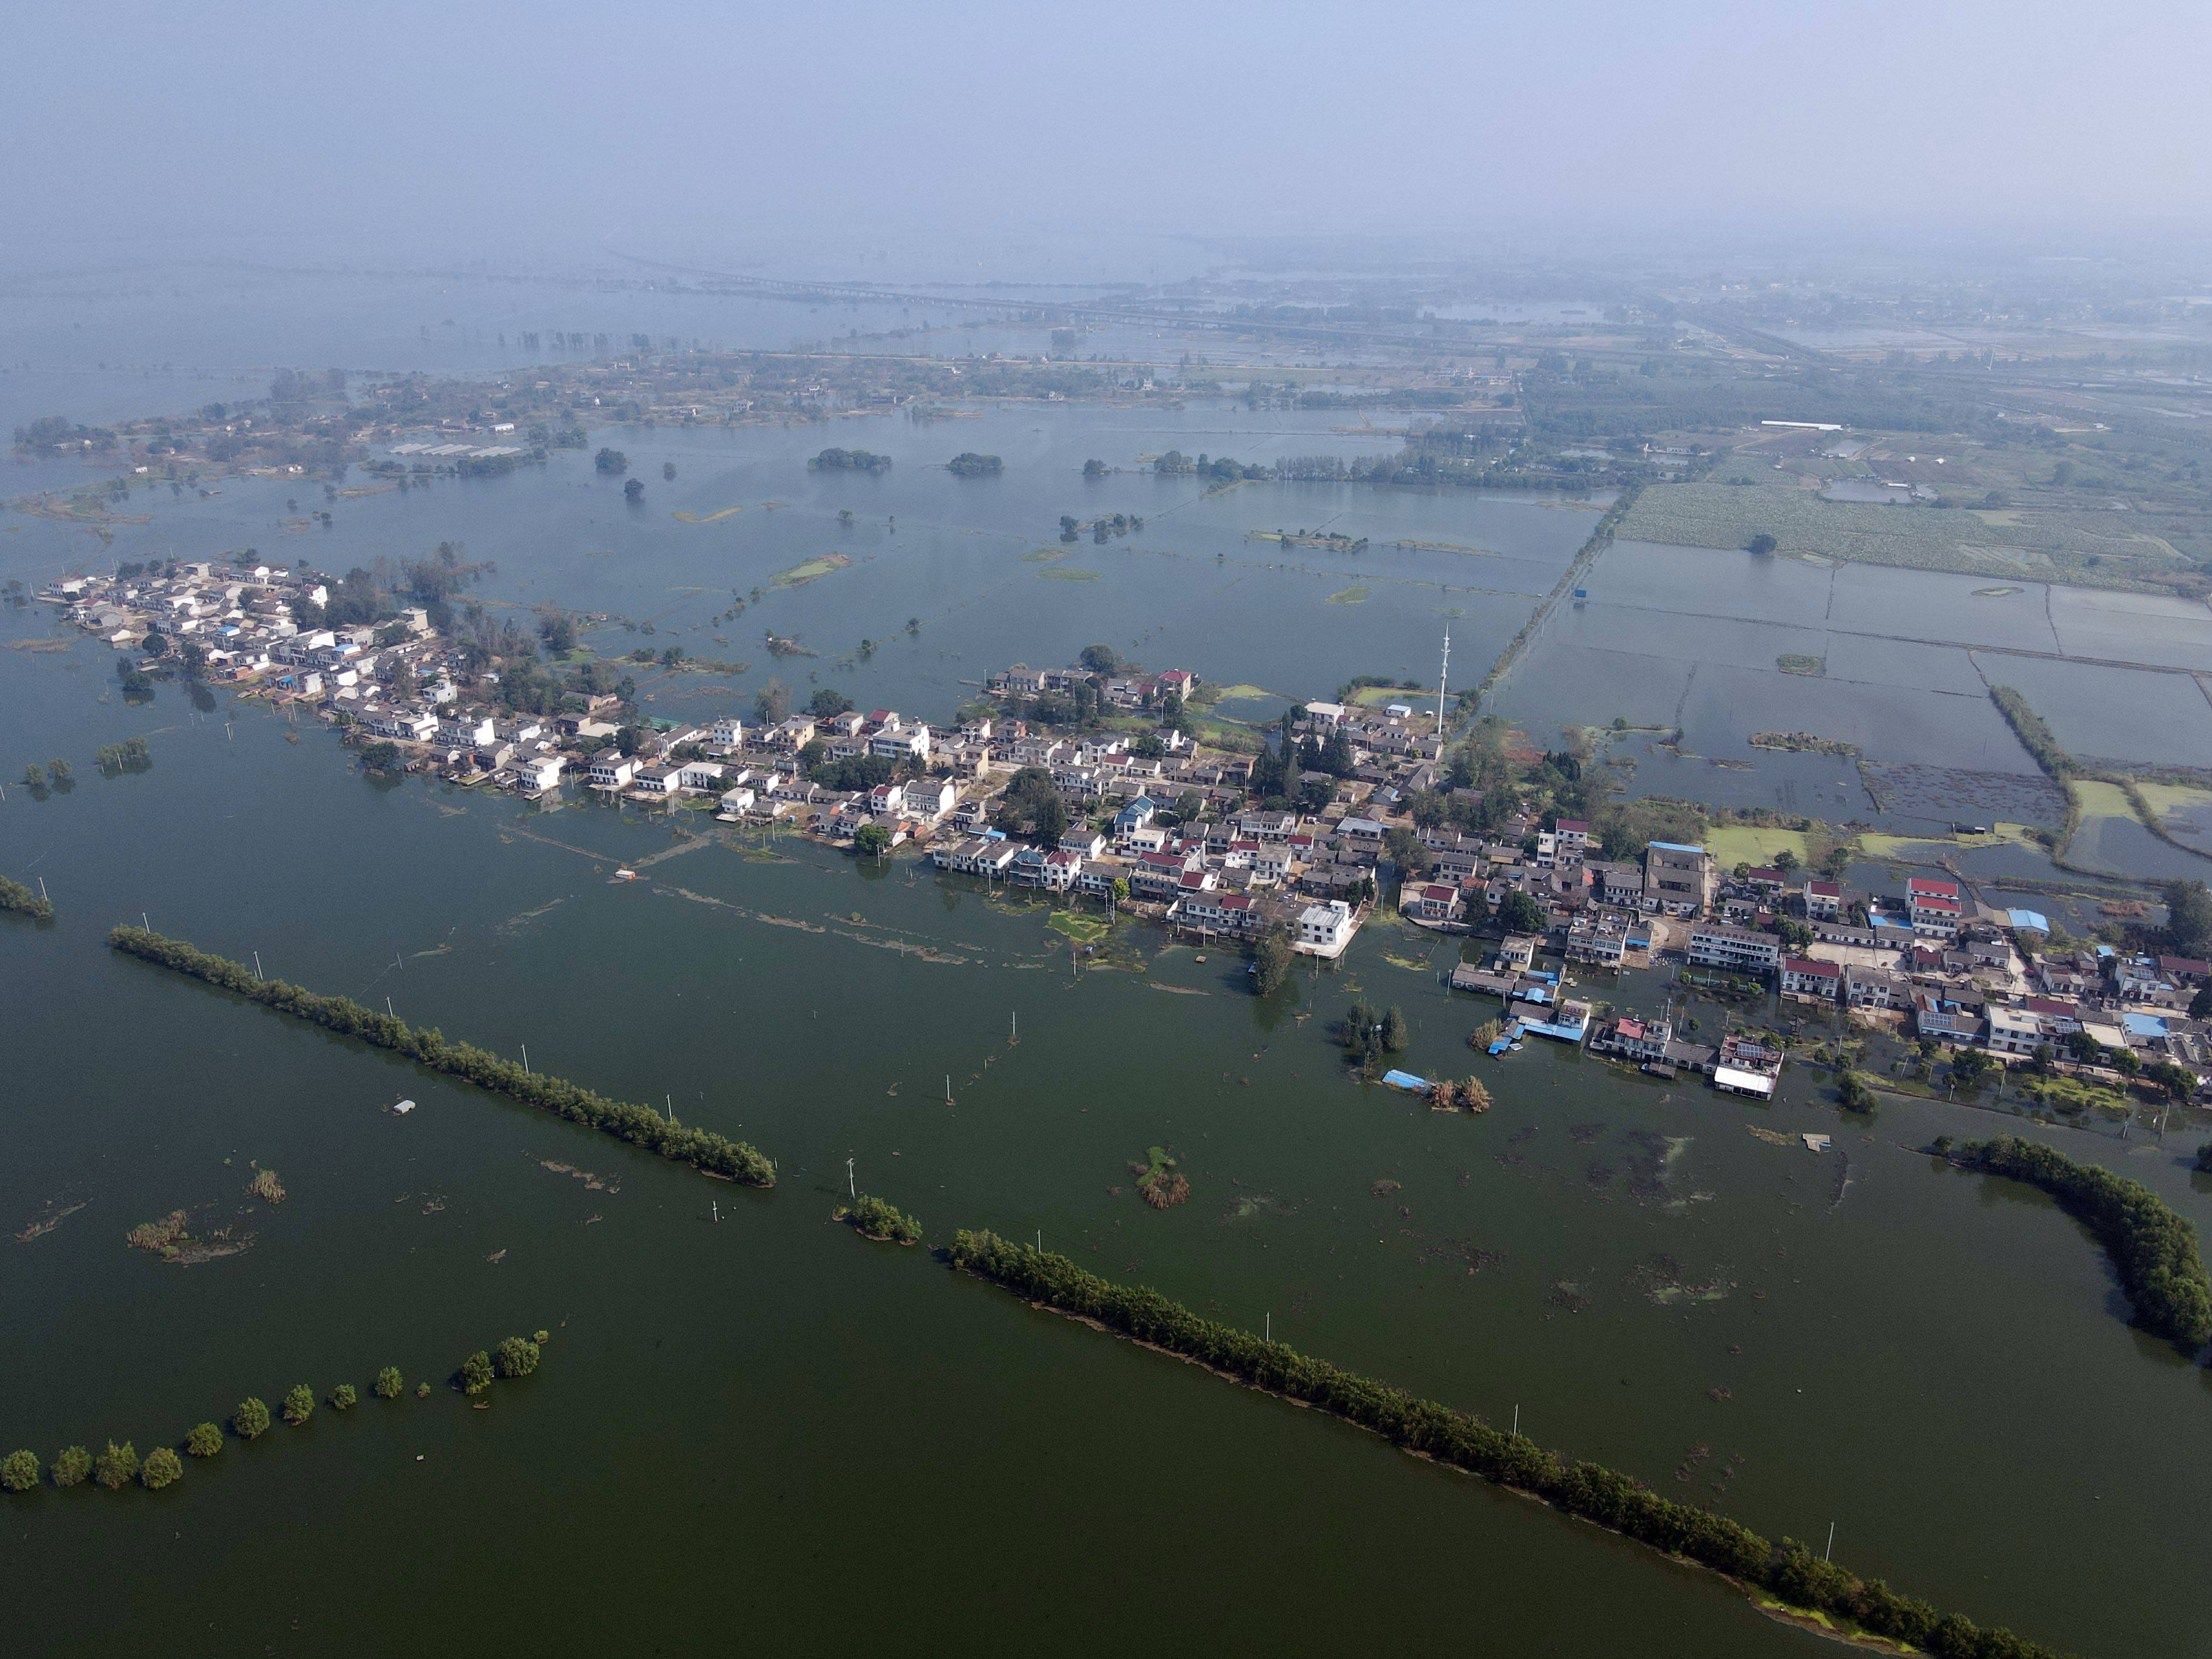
x,y
2067,548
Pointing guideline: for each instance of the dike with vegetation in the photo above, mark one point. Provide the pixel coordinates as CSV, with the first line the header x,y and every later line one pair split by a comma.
x,y
14,896
704,1150
2152,1248
2036,737
881,1220
1790,1572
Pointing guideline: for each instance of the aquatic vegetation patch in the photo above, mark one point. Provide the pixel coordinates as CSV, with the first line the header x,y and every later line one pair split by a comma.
x,y
1159,1180
1352,595
1067,574
1794,662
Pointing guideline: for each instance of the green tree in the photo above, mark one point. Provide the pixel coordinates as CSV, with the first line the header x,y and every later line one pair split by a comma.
x,y
1761,543
872,840
389,1383
1792,933
633,491
299,1404
19,1471
1521,913
668,472
515,1356
34,776
476,1372
1969,1067
71,1465
2189,916
2200,1006
1099,658
204,1440
1273,962
827,704
1397,1037
343,1397
250,1420
2204,1159
59,770
612,460
116,1466
163,1467
1852,1093
2124,1061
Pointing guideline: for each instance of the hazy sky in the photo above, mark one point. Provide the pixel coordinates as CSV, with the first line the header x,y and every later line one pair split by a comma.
x,y
550,126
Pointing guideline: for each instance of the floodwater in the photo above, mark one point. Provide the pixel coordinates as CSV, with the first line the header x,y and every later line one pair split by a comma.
x,y
976,564
766,1401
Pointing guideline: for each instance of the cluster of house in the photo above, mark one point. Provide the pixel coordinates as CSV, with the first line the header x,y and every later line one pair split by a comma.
x,y
243,619
1933,961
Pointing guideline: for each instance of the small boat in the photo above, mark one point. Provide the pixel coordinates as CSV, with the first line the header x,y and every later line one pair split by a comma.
x,y
403,1108
1517,1048
1201,958
625,875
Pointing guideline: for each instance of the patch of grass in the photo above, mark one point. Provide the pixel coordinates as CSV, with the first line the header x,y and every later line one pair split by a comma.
x,y
810,570
1064,574
1073,924
1791,662
1732,844
1354,595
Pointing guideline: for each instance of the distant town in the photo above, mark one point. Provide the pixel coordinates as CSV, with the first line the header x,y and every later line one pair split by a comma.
x,y
1094,780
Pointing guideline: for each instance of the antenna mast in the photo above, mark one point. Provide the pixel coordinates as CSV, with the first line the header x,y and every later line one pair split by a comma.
x,y
1442,674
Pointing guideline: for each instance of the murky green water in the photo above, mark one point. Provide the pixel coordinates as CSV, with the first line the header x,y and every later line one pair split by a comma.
x,y
763,1426
766,1429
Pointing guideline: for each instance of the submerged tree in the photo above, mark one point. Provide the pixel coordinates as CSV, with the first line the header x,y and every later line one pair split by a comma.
x,y
204,1440
251,1420
476,1372
163,1467
19,1471
71,1465
117,1466
389,1383
299,1404
1273,962
515,1356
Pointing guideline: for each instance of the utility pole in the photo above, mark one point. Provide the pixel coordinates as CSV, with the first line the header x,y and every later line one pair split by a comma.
x,y
851,1191
1829,1552
257,965
525,1060
1517,1421
1443,674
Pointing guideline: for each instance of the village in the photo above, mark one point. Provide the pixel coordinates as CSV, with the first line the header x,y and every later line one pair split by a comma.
x,y
1092,782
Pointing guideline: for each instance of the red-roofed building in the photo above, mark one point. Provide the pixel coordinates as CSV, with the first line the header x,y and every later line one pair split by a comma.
x,y
1432,902
1806,978
1824,900
1934,915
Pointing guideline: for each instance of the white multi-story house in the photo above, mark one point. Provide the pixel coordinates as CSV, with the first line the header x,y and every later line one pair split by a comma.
x,y
611,769
1325,929
1738,950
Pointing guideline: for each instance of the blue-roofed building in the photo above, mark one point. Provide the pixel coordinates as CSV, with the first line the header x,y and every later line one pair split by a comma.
x,y
1136,814
2032,921
2143,1025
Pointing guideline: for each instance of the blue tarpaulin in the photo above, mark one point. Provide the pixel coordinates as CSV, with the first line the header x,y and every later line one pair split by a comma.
x,y
1405,1080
